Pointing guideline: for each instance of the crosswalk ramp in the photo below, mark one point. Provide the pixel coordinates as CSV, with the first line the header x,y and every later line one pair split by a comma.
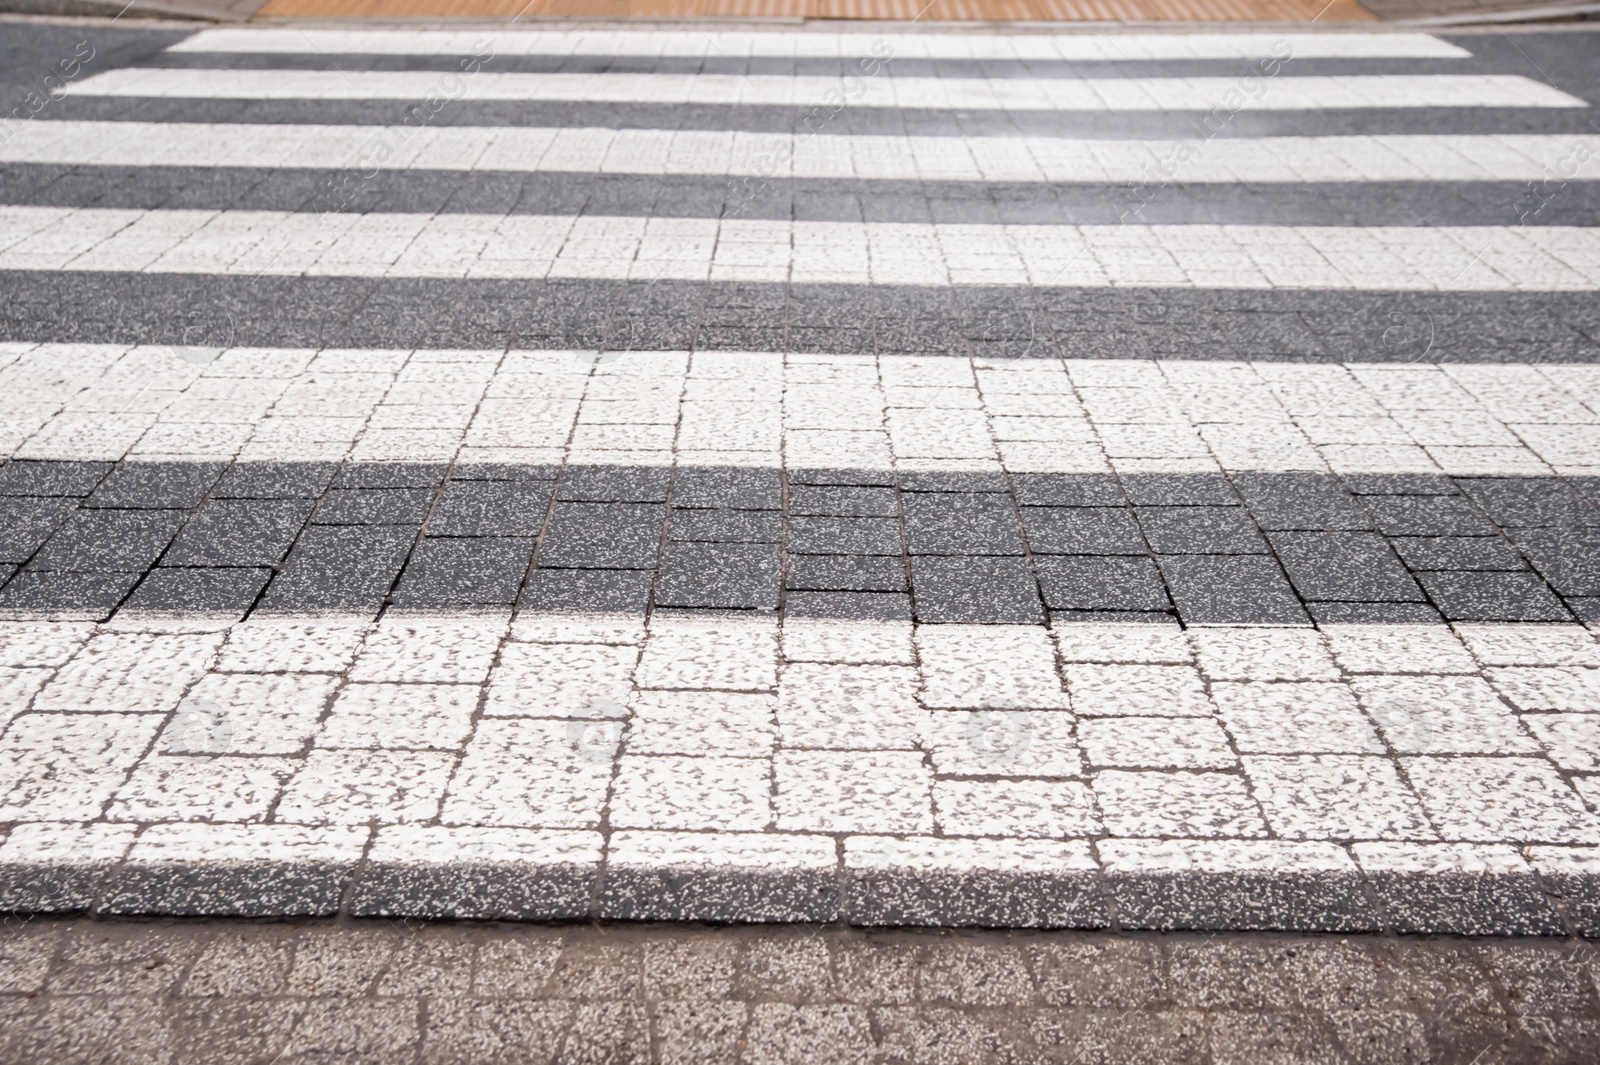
x,y
922,478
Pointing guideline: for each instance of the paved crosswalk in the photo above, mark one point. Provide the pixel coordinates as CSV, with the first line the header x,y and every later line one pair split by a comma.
x,y
613,489
253,243
1310,92
711,42
863,157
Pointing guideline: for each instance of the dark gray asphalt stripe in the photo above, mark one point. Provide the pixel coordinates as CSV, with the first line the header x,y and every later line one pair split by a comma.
x,y
1111,125
1398,203
1248,548
903,66
1290,325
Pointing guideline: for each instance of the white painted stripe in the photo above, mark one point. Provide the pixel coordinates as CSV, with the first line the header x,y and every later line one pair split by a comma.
x,y
1507,157
1461,258
820,726
718,43
1013,94
663,408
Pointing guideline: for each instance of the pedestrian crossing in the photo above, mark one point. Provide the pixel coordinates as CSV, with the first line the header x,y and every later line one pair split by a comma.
x,y
862,157
764,410
712,42
1302,93
255,243
642,469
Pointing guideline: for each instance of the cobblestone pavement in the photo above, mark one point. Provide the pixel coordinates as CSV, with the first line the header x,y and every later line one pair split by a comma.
x,y
1125,481
228,992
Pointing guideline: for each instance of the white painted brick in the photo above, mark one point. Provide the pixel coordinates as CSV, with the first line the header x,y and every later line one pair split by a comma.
x,y
988,667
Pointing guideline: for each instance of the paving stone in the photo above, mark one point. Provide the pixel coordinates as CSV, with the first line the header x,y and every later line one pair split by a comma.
x,y
813,535
603,535
961,523
400,716
709,654
1262,654
719,876
967,590
1100,583
247,713
1177,804
1178,490
1344,566
1170,884
677,792
1015,808
560,680
274,480
229,532
23,478
1540,645
1155,743
989,667
374,506
1201,531
614,484
1427,516
1136,691
1571,739
192,787
843,501
702,724
571,591
130,671
1574,874
847,706
1067,490
860,642
109,540
47,868
1121,643
1440,715
244,870
1457,553
423,649
1082,531
154,485
1294,501
1500,799
27,522
1335,796
865,573
1397,649
333,568
726,576
1001,883
1295,718
492,873
533,774
363,787
1001,743
743,489
265,644
222,591
1469,596
838,791
65,596
849,606
1223,589
726,526
1450,887
445,573
490,508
